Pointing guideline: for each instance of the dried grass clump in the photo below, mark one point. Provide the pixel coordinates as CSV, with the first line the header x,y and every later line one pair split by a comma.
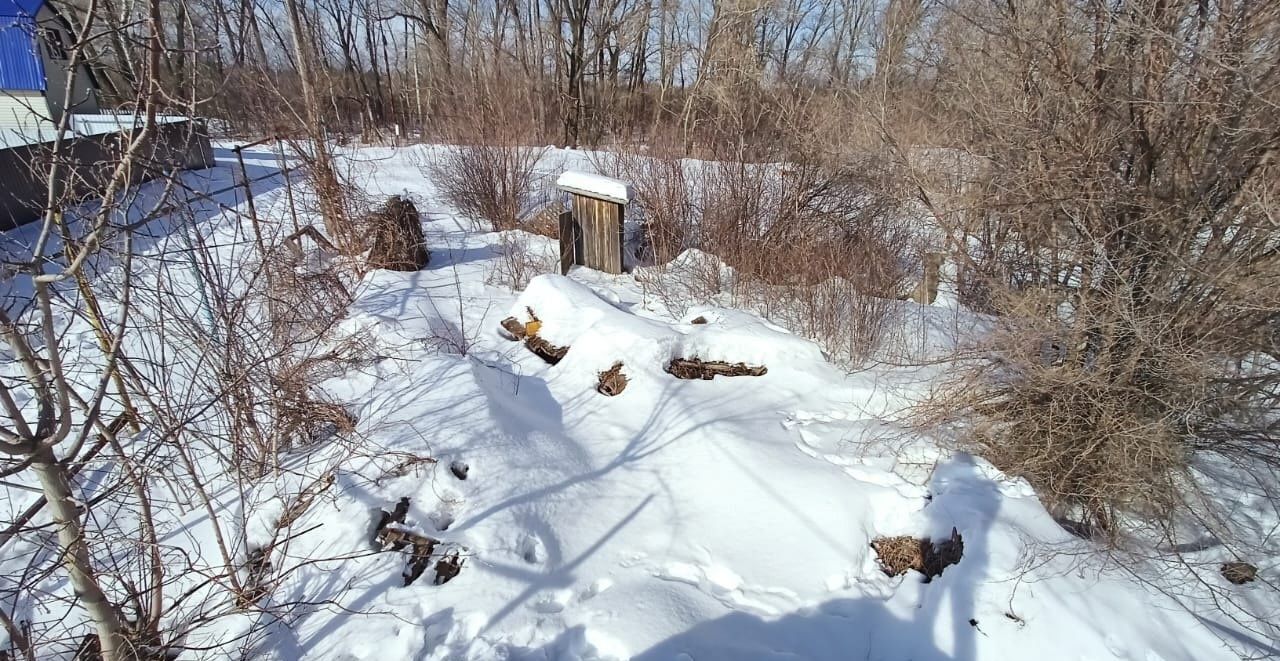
x,y
314,421
398,241
545,222
902,553
1239,573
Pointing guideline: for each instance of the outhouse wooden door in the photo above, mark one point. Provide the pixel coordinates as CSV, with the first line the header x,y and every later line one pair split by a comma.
x,y
600,224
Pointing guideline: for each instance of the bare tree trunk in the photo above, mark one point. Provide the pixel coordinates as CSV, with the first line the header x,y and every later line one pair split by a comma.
x,y
326,180
75,556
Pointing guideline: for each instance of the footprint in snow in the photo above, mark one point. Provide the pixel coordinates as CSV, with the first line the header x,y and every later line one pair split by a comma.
x,y
553,602
887,479
446,514
597,586
728,587
531,549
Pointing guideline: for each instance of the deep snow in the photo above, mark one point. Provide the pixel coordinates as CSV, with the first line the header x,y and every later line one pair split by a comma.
x,y
698,520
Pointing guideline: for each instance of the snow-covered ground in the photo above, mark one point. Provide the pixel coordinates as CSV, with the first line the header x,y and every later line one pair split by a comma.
x,y
698,520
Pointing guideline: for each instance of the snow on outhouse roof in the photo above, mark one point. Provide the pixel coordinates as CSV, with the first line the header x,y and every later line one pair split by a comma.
x,y
594,185
20,64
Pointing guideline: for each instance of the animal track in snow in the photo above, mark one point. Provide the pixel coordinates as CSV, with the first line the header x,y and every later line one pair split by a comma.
x,y
446,514
531,549
597,586
727,587
553,602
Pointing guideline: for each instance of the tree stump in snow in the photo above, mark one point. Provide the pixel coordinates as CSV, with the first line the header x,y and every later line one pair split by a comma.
x,y
398,242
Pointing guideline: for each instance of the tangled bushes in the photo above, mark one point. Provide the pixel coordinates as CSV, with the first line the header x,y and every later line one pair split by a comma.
x,y
1130,249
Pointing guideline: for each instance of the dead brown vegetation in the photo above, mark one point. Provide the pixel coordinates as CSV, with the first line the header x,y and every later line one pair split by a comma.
x,y
489,173
398,241
1129,247
1239,573
899,554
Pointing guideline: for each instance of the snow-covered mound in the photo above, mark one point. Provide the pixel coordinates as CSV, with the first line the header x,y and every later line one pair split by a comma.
x,y
701,520
601,333
721,519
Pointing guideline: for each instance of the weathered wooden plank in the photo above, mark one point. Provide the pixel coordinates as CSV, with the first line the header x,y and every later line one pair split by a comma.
x,y
570,243
598,243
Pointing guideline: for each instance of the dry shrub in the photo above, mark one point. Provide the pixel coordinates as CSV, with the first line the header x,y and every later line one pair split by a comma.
x,y
819,245
1089,444
821,248
518,262
488,173
1239,573
1130,251
664,201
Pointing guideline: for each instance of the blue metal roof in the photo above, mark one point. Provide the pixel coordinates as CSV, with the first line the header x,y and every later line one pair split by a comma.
x,y
19,7
20,65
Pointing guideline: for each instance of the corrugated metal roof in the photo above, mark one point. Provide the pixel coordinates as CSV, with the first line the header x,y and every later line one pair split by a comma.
x,y
20,7
20,65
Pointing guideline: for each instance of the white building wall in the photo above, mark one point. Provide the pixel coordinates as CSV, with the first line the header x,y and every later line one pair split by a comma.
x,y
24,111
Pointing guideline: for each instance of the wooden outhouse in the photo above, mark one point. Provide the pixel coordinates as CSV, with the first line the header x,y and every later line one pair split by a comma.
x,y
591,233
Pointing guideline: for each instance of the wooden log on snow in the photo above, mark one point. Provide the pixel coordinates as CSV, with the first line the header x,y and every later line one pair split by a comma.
x,y
514,329
545,350
693,368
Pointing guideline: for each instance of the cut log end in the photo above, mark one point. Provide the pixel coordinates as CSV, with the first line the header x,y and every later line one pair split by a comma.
x,y
514,329
612,381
